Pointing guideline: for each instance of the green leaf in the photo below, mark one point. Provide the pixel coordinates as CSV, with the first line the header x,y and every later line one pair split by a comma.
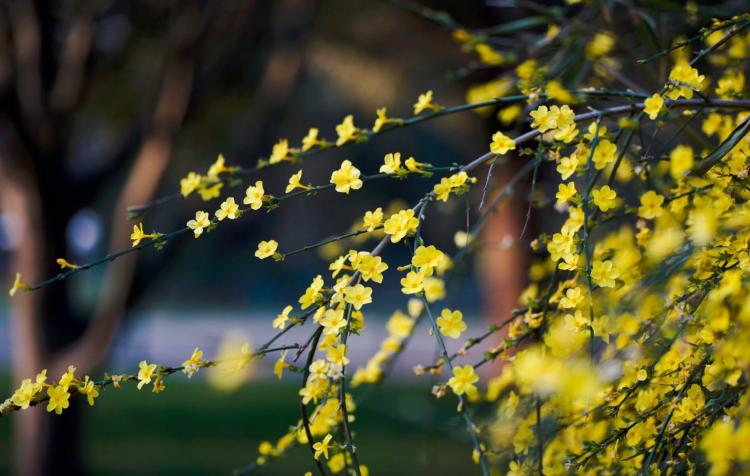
x,y
522,24
723,149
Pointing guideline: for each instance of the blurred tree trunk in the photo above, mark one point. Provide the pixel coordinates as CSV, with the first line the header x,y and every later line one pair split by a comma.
x,y
47,331
503,260
42,81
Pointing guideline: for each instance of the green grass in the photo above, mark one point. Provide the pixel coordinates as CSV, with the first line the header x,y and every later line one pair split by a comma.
x,y
191,429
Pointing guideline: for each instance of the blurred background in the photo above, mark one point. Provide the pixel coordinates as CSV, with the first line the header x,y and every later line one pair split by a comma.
x,y
107,104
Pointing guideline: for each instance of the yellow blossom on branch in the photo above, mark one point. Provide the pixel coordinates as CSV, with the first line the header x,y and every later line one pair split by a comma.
x,y
373,219
451,323
501,143
266,249
139,235
280,152
254,195
200,223
191,365
145,373
605,198
400,224
463,380
346,131
424,102
392,164
346,178
322,447
653,105
66,264
58,399
295,183
228,209
190,183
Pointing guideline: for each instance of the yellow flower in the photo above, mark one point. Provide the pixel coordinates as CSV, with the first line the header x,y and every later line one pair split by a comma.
x,y
371,267
567,133
600,45
488,55
228,209
680,161
358,295
311,140
462,239
190,183
573,297
280,365
18,285
463,380
456,183
312,293
200,223
145,373
400,224
346,178
509,114
416,167
58,399
565,192
218,167
89,388
567,166
295,182
209,192
427,258
501,143
604,154
392,164
336,354
139,235
527,69
413,282
191,365
424,101
650,205
266,249
254,195
373,219
565,116
683,81
280,152
604,274
322,447
280,321
346,131
25,394
434,289
451,323
68,377
544,118
66,264
338,265
443,189
556,91
383,120
333,321
159,385
653,105
732,84
712,124
605,198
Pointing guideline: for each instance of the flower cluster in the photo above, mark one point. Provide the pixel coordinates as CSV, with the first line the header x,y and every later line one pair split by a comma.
x,y
628,350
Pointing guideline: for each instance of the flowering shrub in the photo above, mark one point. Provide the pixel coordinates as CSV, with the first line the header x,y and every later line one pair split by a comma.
x,y
629,349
